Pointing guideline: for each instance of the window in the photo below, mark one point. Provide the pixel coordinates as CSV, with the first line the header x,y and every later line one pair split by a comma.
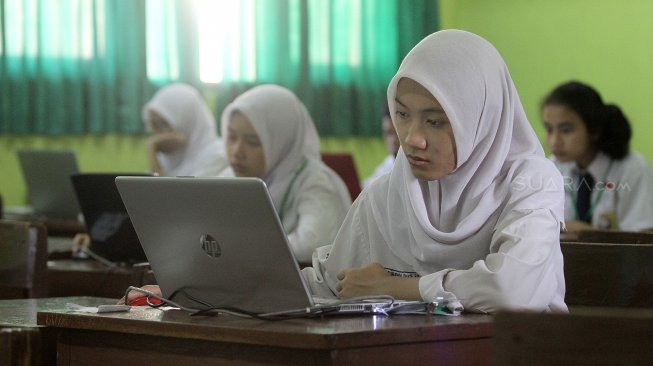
x,y
161,35
226,40
339,45
53,29
80,66
225,34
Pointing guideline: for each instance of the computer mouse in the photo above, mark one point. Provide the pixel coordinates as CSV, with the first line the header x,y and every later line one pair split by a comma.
x,y
142,301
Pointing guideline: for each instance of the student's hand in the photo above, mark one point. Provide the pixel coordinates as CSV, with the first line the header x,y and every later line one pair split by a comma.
x,y
374,280
574,226
81,241
133,295
166,142
362,281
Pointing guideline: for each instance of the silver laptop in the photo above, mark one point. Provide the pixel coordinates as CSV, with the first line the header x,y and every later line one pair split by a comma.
x,y
47,177
220,241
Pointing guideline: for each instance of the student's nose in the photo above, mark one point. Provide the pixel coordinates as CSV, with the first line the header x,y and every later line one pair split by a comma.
x,y
554,139
415,136
239,150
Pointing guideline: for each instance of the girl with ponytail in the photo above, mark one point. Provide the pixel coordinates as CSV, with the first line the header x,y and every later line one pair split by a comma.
x,y
606,185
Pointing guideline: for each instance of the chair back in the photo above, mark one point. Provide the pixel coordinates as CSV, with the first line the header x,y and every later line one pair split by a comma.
x,y
343,164
23,259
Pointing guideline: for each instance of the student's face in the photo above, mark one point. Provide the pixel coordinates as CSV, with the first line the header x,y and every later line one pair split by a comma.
x,y
244,148
390,136
567,135
158,124
424,131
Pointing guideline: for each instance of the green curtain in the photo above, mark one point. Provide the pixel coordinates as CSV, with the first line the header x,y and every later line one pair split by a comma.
x,y
345,86
337,55
72,66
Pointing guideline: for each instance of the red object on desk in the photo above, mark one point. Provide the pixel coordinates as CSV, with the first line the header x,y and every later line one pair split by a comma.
x,y
142,301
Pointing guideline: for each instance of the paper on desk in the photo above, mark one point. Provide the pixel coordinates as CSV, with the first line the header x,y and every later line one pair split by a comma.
x,y
97,309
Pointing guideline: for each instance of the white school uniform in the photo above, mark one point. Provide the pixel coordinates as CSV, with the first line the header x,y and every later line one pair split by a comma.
x,y
623,195
486,235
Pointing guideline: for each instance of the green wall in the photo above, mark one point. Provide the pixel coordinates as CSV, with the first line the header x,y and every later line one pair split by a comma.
x,y
126,153
111,153
606,43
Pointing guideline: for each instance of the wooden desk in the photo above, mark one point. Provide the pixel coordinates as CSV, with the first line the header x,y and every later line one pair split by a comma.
x,y
586,336
22,314
151,336
56,227
60,247
86,277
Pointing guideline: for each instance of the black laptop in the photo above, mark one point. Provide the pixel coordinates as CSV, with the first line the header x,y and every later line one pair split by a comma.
x,y
107,222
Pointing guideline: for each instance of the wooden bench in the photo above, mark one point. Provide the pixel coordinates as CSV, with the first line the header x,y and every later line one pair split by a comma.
x,y
609,236
585,336
608,274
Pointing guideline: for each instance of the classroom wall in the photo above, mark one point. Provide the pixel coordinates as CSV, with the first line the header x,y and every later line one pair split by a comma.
x,y
605,43
112,153
126,153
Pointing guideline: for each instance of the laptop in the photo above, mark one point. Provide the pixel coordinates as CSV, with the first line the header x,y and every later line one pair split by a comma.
x,y
47,177
107,222
221,241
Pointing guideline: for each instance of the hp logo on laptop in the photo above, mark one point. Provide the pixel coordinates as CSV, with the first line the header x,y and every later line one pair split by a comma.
x,y
210,246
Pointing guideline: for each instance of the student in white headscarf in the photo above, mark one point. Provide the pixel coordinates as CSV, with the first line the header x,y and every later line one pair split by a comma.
x,y
183,139
269,134
471,211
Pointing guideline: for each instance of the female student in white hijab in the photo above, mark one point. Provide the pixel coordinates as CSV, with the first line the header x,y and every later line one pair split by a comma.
x,y
269,134
471,211
183,139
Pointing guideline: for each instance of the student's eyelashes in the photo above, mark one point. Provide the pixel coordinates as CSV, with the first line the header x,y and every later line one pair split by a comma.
x,y
436,122
401,114
253,143
567,130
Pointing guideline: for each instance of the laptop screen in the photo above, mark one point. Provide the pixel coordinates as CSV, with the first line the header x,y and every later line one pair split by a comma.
x,y
107,223
47,177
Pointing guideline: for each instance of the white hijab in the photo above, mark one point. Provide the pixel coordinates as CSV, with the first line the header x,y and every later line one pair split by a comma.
x,y
287,134
183,108
423,221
